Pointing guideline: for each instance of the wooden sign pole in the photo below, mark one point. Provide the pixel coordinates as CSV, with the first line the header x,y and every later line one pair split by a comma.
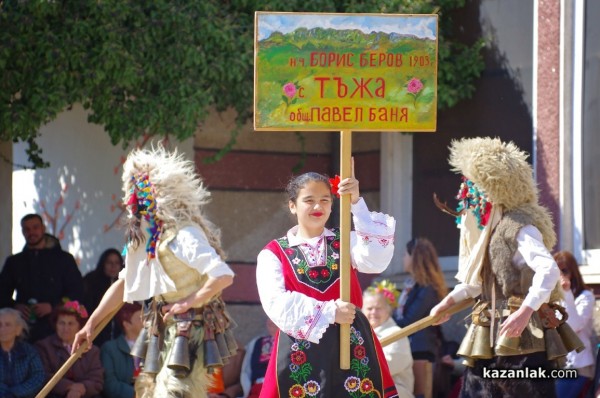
x,y
345,225
425,322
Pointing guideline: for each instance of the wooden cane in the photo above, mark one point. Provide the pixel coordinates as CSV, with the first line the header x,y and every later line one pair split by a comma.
x,y
76,355
425,322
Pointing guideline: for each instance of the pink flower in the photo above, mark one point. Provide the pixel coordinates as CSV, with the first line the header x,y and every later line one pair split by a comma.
x,y
414,86
74,306
289,89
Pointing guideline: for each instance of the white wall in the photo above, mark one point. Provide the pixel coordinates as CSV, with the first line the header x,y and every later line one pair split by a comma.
x,y
85,169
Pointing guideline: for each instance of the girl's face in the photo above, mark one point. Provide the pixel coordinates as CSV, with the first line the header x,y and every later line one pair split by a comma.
x,y
112,266
407,260
376,309
66,328
312,208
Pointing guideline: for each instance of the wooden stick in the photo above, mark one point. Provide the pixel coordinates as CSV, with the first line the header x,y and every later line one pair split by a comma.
x,y
425,322
345,201
75,356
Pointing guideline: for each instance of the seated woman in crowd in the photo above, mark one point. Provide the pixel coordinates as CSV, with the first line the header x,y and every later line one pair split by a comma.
x,y
86,377
120,367
96,283
21,371
379,302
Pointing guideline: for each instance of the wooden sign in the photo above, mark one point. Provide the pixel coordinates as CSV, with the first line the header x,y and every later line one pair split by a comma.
x,y
332,72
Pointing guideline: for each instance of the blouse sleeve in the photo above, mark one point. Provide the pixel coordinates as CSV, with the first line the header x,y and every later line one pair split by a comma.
x,y
372,242
533,252
294,313
463,291
580,310
191,246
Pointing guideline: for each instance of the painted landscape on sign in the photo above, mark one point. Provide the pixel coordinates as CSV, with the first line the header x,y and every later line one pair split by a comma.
x,y
369,72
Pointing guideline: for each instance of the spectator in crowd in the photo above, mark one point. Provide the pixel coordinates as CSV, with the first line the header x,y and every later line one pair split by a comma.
x,y
423,290
86,377
42,275
254,367
96,283
579,303
21,371
120,367
379,301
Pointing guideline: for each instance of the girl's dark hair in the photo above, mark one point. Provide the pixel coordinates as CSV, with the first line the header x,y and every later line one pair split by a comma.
x,y
566,261
426,269
104,257
299,182
410,246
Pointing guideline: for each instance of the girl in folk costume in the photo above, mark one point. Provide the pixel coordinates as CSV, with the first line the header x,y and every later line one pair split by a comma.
x,y
298,279
174,264
505,261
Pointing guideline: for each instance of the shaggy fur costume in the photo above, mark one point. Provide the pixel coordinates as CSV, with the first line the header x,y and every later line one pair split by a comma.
x,y
500,170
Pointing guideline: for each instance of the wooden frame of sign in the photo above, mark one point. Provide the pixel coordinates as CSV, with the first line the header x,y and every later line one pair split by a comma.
x,y
345,72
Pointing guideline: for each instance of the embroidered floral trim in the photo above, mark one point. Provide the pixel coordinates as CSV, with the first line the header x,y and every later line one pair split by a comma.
x,y
383,240
318,277
358,384
311,322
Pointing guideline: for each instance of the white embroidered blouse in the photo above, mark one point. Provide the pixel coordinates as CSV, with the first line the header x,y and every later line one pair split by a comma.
x,y
301,316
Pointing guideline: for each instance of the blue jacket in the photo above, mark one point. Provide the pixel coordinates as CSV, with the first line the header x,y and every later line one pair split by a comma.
x,y
420,301
21,371
118,368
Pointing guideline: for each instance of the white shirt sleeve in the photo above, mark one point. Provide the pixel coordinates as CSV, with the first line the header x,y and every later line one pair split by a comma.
x,y
532,252
294,313
372,242
191,246
462,291
580,310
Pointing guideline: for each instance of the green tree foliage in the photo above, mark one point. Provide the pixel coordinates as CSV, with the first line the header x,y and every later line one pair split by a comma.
x,y
157,67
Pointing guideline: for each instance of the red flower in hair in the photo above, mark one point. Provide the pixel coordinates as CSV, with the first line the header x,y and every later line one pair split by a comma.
x,y
74,306
335,182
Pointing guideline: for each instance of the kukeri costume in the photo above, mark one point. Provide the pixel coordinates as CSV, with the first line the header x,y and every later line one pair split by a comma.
x,y
298,282
505,261
176,261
